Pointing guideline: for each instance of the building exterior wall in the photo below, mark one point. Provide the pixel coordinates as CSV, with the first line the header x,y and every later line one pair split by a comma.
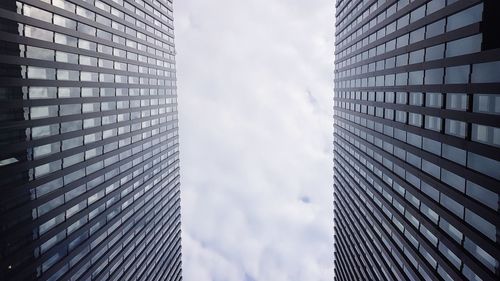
x,y
89,169
417,140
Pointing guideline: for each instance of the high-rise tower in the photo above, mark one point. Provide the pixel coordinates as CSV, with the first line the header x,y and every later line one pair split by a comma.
x,y
417,140
89,171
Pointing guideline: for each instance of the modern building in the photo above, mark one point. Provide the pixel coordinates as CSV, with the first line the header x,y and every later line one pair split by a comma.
x,y
417,140
89,169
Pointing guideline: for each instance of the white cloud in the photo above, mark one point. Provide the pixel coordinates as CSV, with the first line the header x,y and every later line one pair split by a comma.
x,y
255,100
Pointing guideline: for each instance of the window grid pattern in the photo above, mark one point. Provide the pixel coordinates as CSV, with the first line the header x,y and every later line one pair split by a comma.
x,y
416,142
89,128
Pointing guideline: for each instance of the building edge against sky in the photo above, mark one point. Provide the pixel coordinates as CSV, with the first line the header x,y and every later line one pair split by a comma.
x,y
89,168
417,140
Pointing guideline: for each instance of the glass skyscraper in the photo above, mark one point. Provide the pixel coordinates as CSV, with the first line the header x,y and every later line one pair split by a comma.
x,y
417,140
89,169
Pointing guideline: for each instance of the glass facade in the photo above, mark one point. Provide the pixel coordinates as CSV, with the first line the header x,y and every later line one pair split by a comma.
x,y
89,169
417,140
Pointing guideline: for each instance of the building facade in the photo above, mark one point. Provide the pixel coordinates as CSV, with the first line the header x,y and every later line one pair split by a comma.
x,y
89,169
417,140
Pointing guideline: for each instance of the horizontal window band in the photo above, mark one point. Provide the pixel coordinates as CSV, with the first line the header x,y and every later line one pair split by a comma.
x,y
470,146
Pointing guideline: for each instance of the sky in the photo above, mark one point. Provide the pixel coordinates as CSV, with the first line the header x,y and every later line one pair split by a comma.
x,y
255,108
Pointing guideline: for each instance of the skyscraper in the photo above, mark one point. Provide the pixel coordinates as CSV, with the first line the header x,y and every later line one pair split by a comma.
x,y
417,140
89,169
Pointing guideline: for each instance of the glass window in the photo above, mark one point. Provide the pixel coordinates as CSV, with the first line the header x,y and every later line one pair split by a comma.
x,y
454,154
483,195
434,6
434,76
452,205
417,35
417,56
433,123
402,60
63,74
480,254
457,74
415,119
484,165
37,13
38,33
481,224
414,139
41,92
432,146
402,78
39,53
434,100
464,46
41,73
65,40
453,180
416,99
427,189
402,40
457,101
435,29
401,98
451,230
456,128
464,18
486,134
416,77
417,13
486,72
64,22
487,103
434,52
450,255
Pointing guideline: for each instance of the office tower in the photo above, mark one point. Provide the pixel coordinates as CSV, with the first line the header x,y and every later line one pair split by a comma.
x,y
417,140
89,172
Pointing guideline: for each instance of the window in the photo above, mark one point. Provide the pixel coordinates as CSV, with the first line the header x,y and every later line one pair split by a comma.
x,y
484,165
435,29
468,45
486,134
41,73
434,52
433,123
487,103
486,72
452,205
464,18
457,101
39,53
454,154
483,195
434,76
457,74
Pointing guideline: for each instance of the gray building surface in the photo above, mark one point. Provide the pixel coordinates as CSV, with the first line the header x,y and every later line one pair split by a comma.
x,y
417,140
89,169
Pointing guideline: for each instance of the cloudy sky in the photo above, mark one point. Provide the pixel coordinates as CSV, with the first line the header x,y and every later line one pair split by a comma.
x,y
255,99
